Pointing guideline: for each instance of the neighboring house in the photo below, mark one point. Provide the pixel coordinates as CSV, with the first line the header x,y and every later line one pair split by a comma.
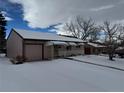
x,y
34,46
120,52
94,48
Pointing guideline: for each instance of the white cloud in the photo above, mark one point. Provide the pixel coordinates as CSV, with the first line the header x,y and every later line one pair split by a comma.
x,y
43,13
5,14
102,8
8,18
119,21
59,29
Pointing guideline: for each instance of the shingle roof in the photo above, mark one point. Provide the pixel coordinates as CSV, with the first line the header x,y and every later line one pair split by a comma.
x,y
27,34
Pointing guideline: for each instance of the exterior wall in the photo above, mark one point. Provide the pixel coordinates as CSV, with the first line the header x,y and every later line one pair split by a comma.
x,y
59,51
80,50
48,52
63,52
97,50
75,51
14,45
71,51
94,50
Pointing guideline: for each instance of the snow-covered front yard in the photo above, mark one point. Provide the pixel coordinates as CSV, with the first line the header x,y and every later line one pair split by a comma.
x,y
58,75
102,60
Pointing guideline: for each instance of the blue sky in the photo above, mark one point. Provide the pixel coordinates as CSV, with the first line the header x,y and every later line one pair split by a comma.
x,y
50,15
14,11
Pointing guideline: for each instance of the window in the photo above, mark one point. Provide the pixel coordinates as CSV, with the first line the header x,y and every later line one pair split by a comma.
x,y
58,47
78,46
68,47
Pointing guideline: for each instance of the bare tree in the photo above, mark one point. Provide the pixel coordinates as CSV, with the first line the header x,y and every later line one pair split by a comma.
x,y
111,37
81,28
95,35
121,35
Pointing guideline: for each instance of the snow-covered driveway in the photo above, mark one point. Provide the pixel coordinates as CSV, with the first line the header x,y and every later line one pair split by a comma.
x,y
58,75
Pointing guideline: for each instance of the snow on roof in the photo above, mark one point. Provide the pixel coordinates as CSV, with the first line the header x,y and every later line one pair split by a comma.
x,y
26,34
95,45
81,44
55,43
120,48
49,43
72,44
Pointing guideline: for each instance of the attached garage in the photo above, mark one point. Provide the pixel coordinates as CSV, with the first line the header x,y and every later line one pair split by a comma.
x,y
36,46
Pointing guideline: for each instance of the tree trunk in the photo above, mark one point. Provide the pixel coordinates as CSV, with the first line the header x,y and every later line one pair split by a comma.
x,y
111,57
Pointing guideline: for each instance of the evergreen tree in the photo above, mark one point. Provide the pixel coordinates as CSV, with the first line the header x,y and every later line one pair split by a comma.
x,y
2,32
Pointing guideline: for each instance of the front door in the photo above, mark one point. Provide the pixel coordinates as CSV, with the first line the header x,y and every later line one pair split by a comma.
x,y
87,50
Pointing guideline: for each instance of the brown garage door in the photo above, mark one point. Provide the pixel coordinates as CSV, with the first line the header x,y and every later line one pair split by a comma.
x,y
33,52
